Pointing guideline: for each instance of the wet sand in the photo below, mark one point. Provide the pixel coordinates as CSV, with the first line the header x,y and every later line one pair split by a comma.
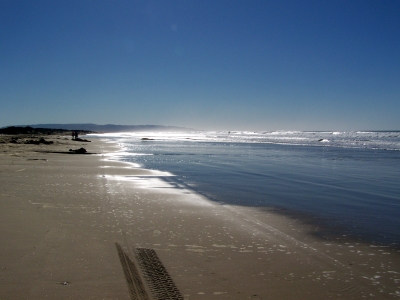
x,y
84,227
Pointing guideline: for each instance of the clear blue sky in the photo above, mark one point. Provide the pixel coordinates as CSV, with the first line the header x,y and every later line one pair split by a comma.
x,y
205,64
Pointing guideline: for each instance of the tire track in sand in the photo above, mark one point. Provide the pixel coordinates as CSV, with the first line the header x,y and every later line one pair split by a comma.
x,y
153,282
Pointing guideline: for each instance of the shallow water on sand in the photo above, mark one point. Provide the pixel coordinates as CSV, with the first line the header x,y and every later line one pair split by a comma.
x,y
354,190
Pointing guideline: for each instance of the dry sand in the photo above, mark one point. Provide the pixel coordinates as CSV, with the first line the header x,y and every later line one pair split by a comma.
x,y
84,227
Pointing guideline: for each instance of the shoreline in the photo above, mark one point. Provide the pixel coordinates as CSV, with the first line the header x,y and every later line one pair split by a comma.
x,y
356,209
70,221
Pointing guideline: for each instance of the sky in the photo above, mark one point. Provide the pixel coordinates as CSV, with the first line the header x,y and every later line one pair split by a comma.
x,y
203,64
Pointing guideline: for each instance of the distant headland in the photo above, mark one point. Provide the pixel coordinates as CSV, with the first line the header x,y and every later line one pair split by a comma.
x,y
105,128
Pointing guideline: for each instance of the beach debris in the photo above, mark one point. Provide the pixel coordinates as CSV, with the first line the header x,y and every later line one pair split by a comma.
x,y
80,140
78,151
38,142
44,159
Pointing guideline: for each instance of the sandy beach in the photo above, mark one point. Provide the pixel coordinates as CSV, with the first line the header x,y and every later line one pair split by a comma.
x,y
81,226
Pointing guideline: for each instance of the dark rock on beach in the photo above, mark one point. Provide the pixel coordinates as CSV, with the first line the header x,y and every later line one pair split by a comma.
x,y
78,151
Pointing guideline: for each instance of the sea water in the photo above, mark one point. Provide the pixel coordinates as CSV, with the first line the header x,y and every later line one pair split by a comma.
x,y
349,182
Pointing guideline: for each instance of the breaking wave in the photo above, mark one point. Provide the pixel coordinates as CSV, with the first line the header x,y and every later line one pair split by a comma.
x,y
383,140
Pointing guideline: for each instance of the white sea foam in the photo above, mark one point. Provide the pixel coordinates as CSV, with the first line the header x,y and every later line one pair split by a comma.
x,y
388,140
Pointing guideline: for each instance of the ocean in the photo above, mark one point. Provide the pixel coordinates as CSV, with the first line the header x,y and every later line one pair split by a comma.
x,y
347,183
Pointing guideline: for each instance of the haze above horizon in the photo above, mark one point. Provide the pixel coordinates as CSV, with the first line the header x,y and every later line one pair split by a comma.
x,y
211,65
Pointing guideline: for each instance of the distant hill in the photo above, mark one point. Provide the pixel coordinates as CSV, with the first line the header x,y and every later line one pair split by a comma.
x,y
111,127
30,130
